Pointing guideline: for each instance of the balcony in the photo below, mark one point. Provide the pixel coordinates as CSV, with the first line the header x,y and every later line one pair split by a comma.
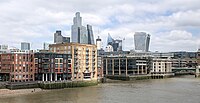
x,y
76,70
93,71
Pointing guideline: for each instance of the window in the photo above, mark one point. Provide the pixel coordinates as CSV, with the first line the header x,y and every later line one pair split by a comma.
x,y
16,76
69,70
61,61
39,60
69,61
56,60
23,69
56,66
61,66
69,56
61,70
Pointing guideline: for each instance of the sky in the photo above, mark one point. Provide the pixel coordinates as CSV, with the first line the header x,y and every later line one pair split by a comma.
x,y
174,25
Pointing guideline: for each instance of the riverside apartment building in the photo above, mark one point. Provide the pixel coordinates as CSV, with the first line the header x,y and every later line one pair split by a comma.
x,y
84,59
17,66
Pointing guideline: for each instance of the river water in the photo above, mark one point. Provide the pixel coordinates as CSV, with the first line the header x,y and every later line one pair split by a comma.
x,y
171,90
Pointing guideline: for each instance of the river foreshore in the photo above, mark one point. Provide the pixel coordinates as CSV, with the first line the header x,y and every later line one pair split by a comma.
x,y
18,92
48,86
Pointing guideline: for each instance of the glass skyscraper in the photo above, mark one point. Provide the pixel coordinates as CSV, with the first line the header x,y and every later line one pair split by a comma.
x,y
90,34
116,44
79,33
141,40
110,40
25,46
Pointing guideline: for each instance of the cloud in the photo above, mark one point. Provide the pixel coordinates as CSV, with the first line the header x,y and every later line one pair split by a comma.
x,y
172,24
187,18
176,40
179,35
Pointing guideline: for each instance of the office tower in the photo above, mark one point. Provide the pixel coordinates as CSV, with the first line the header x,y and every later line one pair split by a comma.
x,y
58,38
78,32
98,43
90,34
46,46
25,46
116,44
141,40
67,39
109,40
3,48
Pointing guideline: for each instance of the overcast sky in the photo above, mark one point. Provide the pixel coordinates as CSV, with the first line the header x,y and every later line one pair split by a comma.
x,y
174,25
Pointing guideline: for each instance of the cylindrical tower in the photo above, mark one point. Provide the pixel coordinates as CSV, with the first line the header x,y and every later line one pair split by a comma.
x,y
98,43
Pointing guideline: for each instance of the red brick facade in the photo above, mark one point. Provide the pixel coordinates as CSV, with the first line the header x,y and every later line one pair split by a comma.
x,y
17,67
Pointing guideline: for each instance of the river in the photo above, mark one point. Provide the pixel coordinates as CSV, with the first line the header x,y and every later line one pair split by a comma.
x,y
171,90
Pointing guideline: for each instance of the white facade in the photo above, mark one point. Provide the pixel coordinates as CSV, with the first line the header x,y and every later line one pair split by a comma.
x,y
98,43
162,66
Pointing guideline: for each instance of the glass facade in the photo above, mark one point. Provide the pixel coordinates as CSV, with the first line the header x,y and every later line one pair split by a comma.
x,y
79,33
25,46
116,44
90,34
141,40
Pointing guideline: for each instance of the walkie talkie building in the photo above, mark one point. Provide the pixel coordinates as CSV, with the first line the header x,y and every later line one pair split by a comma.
x,y
141,40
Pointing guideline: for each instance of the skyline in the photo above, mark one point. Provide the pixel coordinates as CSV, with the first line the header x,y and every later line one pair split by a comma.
x,y
173,25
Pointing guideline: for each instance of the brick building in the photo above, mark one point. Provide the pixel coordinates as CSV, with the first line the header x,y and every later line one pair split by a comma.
x,y
52,66
17,66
